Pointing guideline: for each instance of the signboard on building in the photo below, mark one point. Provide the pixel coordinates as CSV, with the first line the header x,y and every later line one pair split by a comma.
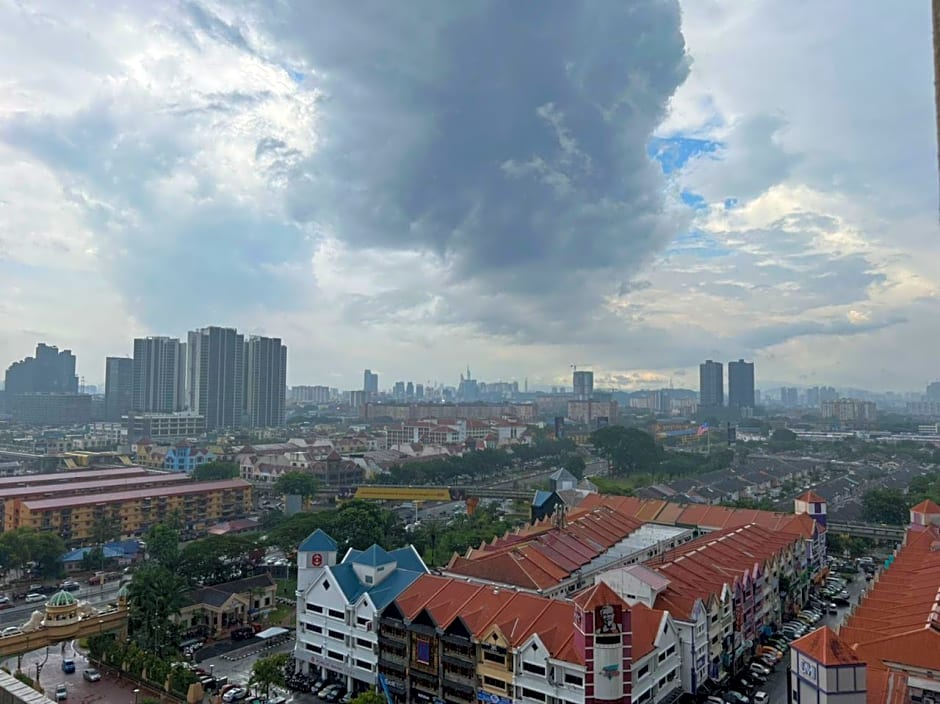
x,y
490,698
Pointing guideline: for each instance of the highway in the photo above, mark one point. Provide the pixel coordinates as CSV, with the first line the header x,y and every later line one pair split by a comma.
x,y
19,614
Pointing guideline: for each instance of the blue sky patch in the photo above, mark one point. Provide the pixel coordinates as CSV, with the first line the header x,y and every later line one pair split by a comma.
x,y
699,244
693,200
673,153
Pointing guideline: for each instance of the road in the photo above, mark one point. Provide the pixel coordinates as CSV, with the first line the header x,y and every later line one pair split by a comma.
x,y
777,684
20,613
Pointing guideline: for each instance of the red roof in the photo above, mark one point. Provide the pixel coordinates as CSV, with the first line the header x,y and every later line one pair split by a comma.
x,y
645,623
926,506
811,497
78,475
826,648
101,485
119,496
517,615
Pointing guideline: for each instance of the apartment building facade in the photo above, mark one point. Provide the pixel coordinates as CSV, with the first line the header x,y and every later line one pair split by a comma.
x,y
197,504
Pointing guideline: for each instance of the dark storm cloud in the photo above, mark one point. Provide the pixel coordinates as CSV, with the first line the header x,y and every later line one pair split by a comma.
x,y
508,139
770,335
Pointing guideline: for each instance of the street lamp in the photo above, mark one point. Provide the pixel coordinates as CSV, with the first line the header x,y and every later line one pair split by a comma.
x,y
136,694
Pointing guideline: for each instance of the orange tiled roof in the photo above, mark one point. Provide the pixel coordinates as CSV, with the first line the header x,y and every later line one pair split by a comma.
x,y
926,506
517,615
826,648
897,624
811,497
645,623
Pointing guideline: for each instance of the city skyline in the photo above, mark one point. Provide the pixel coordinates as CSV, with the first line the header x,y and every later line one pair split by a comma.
x,y
745,211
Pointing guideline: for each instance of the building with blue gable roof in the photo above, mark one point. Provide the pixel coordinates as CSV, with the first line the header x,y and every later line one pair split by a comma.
x,y
338,604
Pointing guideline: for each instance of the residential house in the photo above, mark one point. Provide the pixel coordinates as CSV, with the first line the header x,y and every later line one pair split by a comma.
x,y
215,610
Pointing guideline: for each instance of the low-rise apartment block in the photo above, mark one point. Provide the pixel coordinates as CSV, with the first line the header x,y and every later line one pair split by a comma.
x,y
165,427
338,604
196,504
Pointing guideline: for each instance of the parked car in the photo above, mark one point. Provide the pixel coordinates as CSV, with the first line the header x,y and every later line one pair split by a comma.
x,y
235,694
61,693
761,697
10,631
324,691
734,697
91,675
758,667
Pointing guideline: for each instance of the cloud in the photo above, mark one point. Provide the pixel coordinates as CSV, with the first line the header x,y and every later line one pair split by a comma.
x,y
507,141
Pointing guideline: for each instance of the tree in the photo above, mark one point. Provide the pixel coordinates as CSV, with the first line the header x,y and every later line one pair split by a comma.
x,y
630,450
368,697
104,529
268,672
23,545
94,559
576,465
215,559
154,596
886,506
296,483
211,471
783,435
163,545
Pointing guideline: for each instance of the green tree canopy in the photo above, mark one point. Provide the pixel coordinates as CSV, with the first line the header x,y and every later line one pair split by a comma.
x,y
356,524
368,697
296,483
576,465
154,596
886,506
217,469
22,545
214,559
268,672
163,545
629,450
783,435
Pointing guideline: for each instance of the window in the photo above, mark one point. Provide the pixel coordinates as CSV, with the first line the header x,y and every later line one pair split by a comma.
x,y
575,680
314,648
423,651
532,694
534,669
363,665
363,622
314,627
494,683
315,608
642,672
333,613
368,579
363,643
333,655
498,658
335,635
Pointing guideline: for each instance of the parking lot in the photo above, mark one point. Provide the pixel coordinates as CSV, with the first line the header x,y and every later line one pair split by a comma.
x,y
109,690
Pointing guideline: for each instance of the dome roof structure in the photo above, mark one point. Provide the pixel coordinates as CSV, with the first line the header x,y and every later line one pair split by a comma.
x,y
60,599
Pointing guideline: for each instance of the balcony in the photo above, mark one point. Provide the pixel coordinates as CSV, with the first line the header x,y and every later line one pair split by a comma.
x,y
392,665
461,677
423,681
392,656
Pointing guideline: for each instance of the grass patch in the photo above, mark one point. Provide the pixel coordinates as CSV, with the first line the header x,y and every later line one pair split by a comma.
x,y
283,616
287,588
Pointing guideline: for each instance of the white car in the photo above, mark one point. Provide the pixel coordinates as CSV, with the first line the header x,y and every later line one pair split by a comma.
x,y
235,694
761,697
33,598
10,631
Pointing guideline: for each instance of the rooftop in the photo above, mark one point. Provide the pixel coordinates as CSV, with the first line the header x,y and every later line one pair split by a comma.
x,y
53,477
826,648
130,482
119,496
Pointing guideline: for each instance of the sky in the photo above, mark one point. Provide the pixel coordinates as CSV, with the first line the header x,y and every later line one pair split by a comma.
x,y
413,187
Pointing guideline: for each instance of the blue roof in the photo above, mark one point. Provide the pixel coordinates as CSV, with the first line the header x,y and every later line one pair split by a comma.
x,y
79,553
408,559
563,475
373,557
541,497
318,541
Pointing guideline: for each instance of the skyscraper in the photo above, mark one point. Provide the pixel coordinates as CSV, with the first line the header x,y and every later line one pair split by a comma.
x,y
711,384
741,384
118,387
50,371
159,378
583,385
215,376
266,381
370,383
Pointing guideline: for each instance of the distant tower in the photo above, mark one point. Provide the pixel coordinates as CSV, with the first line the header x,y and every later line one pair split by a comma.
x,y
812,504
